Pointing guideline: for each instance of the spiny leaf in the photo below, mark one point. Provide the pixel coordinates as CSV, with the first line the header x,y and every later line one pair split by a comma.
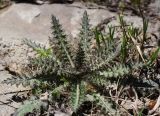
x,y
80,58
97,80
85,32
116,71
101,101
61,44
77,95
33,44
56,91
46,65
29,106
17,80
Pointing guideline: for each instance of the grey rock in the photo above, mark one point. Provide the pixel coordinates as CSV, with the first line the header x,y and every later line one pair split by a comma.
x,y
155,6
6,110
26,14
34,22
2,67
13,55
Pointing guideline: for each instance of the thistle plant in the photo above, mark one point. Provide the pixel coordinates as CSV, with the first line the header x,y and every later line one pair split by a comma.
x,y
94,62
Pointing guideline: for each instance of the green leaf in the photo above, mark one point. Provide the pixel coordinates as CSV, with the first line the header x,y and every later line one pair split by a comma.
x,y
17,80
104,103
97,36
80,58
61,42
77,95
85,32
115,71
29,106
57,91
124,40
111,32
33,44
44,52
153,56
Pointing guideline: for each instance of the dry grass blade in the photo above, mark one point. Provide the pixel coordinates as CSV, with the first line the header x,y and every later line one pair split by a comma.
x,y
135,105
138,48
